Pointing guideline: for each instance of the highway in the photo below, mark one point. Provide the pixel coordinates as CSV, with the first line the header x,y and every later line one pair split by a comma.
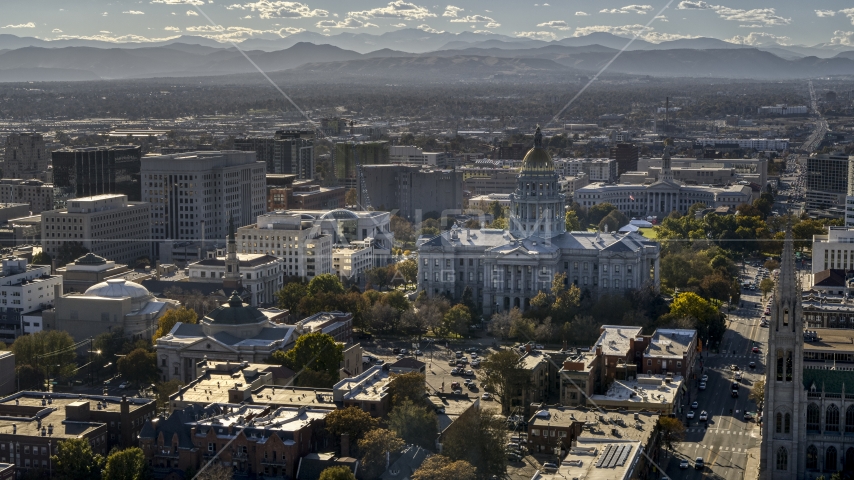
x,y
727,441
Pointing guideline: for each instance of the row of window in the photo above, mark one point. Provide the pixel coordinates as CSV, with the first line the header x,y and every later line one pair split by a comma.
x,y
831,458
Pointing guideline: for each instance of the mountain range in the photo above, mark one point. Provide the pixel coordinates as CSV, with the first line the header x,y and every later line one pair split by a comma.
x,y
392,56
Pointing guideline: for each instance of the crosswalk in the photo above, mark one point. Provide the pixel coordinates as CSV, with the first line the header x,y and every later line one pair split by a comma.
x,y
724,448
718,431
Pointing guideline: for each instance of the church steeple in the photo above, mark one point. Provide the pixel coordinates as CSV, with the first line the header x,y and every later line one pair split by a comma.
x,y
232,278
666,171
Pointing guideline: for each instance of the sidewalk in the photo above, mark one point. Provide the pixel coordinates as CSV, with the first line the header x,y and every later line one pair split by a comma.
x,y
751,468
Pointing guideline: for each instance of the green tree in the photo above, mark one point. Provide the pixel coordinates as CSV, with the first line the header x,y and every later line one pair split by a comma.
x,y
573,224
757,394
68,252
374,447
523,329
414,423
75,460
325,283
128,464
411,386
167,322
337,473
290,295
500,223
440,467
30,377
501,372
381,277
139,366
164,390
409,270
317,352
51,351
351,198
672,431
766,285
692,305
495,210
614,221
457,320
351,421
41,258
596,213
402,229
478,438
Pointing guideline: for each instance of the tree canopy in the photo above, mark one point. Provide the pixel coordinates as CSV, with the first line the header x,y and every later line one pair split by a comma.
x,y
313,352
440,467
167,322
374,446
139,366
128,464
75,460
414,423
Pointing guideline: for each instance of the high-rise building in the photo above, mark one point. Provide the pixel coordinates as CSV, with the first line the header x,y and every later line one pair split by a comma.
x,y
827,181
107,225
39,195
413,191
627,155
90,171
25,156
347,154
193,195
288,152
849,199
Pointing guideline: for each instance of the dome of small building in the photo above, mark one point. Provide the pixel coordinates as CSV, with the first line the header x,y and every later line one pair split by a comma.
x,y
234,312
90,259
537,160
119,288
340,214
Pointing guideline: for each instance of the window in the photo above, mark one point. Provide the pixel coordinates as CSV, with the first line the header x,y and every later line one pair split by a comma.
x,y
782,459
813,417
212,447
787,424
678,364
831,419
778,425
830,463
849,419
535,432
649,362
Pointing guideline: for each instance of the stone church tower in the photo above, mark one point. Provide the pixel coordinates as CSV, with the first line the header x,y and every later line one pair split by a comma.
x,y
783,425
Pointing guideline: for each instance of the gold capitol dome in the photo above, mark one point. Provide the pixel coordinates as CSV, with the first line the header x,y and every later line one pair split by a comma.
x,y
538,160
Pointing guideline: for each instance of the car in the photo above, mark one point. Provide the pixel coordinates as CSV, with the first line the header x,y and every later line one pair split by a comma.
x,y
458,392
404,351
455,385
752,364
702,385
699,464
733,367
539,346
704,416
513,447
467,381
695,405
684,464
755,350
749,415
400,356
455,371
473,355
395,351
514,457
472,386
470,373
123,385
463,360
459,354
704,378
452,362
417,352
475,363
379,361
690,414
738,376
486,396
549,467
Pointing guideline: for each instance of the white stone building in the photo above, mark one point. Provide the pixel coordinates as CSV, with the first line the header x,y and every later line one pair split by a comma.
x,y
506,269
303,249
352,260
24,289
106,225
261,275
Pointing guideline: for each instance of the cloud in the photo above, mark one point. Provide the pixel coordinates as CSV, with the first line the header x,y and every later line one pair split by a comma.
x,y
763,16
825,13
238,34
197,3
104,14
582,14
56,30
119,39
172,29
537,35
624,30
848,12
556,24
490,23
639,9
348,22
483,32
429,29
277,9
842,38
21,25
759,38
396,9
399,25
192,13
452,11
658,37
134,12
662,18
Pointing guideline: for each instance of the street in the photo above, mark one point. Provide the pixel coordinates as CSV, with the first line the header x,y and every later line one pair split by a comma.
x,y
728,444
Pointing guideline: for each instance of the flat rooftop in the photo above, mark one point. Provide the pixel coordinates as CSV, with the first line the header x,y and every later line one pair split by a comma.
x,y
616,340
831,340
646,391
609,424
600,459
294,396
282,419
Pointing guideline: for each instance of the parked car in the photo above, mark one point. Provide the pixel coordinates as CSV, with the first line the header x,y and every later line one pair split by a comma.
x,y
749,415
734,367
486,396
738,375
755,349
455,371
549,467
404,351
470,373
395,351
459,354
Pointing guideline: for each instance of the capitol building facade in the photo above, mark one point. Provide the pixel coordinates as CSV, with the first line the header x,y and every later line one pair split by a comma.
x,y
507,268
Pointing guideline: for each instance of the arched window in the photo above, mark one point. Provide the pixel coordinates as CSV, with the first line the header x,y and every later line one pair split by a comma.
x,y
830,461
787,425
813,418
812,457
786,317
782,459
779,423
779,365
831,419
789,366
849,419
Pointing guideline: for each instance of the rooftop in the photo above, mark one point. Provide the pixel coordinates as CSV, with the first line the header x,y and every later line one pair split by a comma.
x,y
831,339
616,340
653,392
294,396
601,459
670,343
370,385
607,424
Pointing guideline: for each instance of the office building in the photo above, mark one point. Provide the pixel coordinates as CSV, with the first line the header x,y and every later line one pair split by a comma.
x,y
514,151
778,144
350,261
347,155
90,171
835,250
303,195
25,157
412,191
261,275
506,269
411,155
688,175
597,169
626,156
827,181
106,225
24,290
570,185
193,196
783,109
88,271
35,193
849,198
498,180
107,306
302,248
753,170
287,152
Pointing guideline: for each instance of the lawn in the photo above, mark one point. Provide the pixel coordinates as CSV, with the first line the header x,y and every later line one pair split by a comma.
x,y
649,233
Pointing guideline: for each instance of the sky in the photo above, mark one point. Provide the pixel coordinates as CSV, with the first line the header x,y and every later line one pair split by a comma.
x,y
788,22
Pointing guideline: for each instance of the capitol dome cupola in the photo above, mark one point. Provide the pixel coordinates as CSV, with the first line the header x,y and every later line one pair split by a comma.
x,y
537,206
